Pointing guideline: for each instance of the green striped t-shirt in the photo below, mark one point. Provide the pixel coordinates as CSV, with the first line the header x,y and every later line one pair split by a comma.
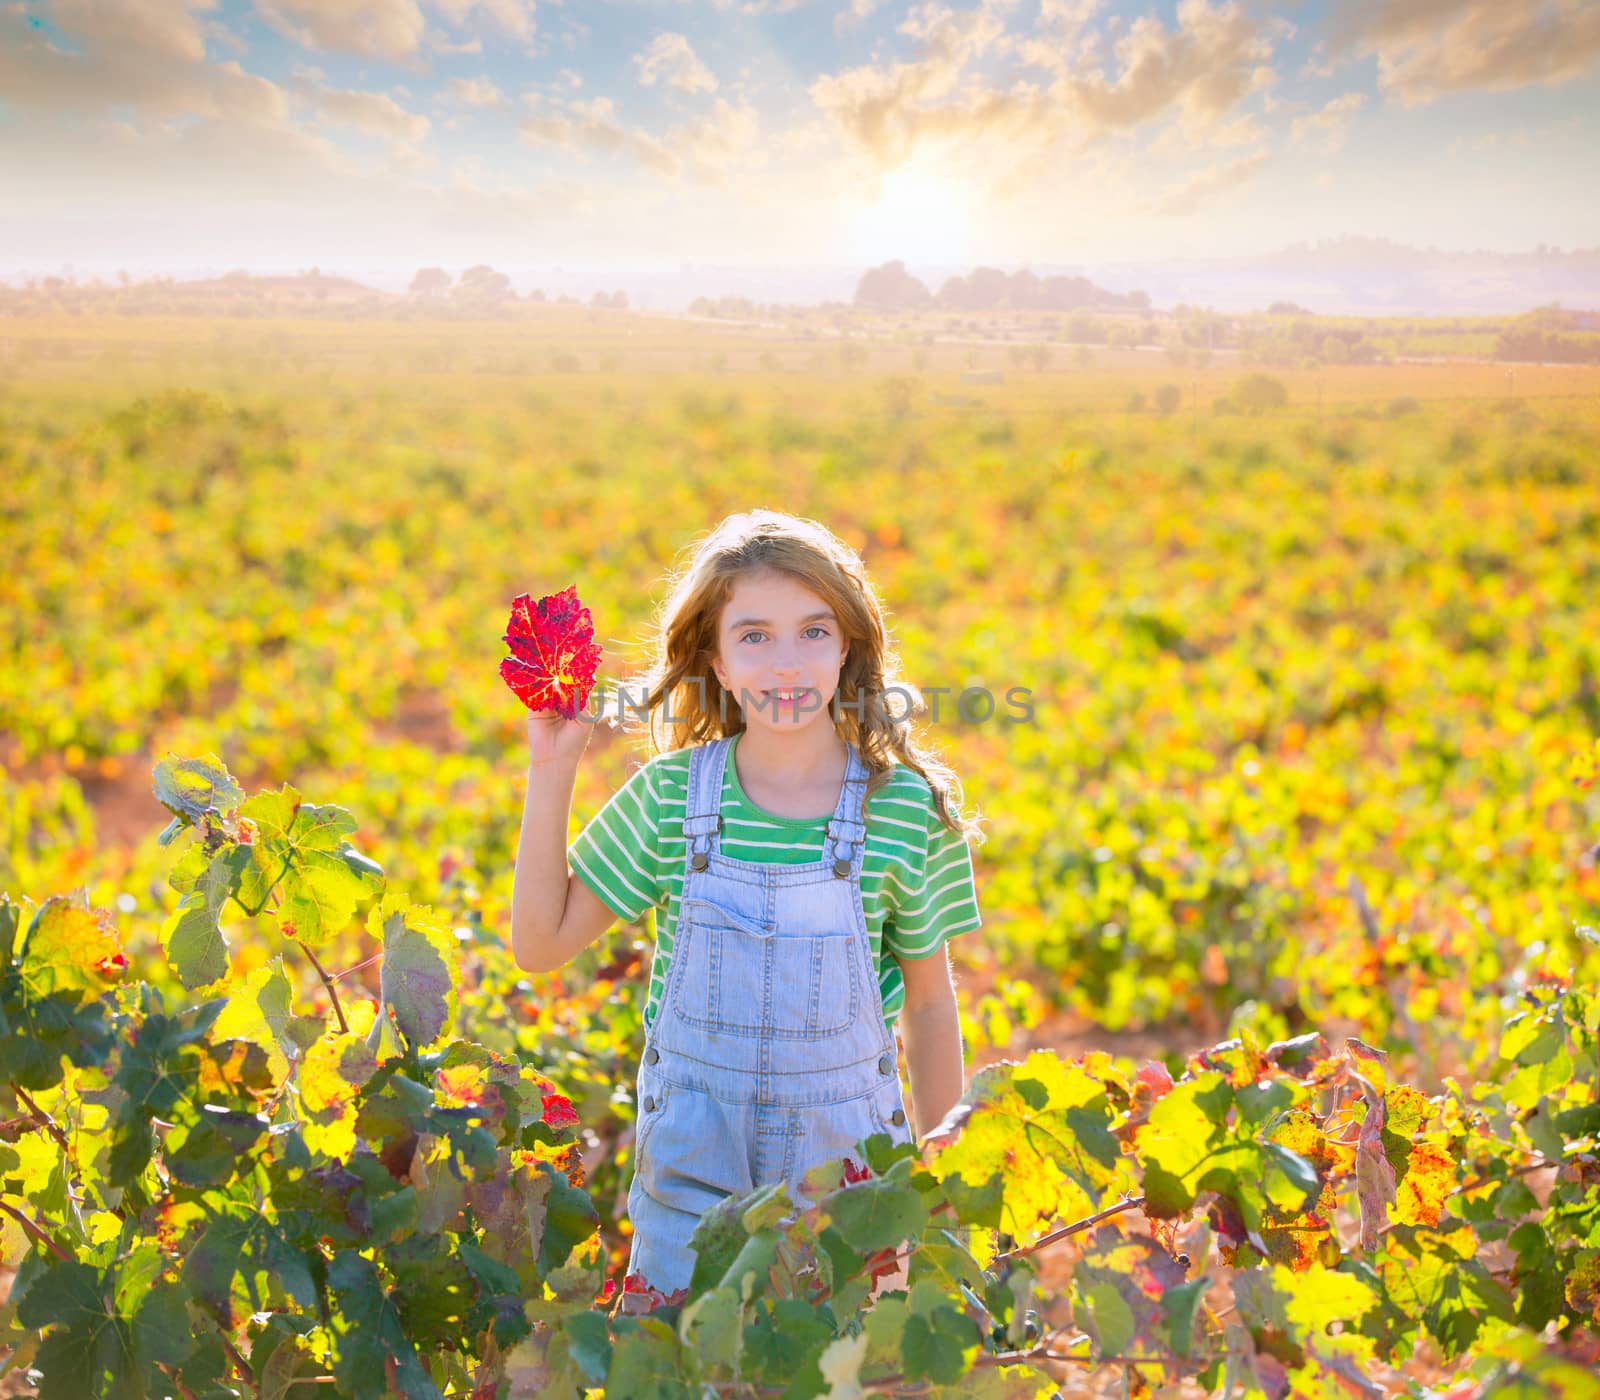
x,y
916,874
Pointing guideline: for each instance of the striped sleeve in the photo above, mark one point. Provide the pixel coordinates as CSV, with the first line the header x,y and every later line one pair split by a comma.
x,y
616,854
941,902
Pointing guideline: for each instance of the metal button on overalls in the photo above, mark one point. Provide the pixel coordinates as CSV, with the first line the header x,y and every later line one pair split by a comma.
x,y
769,1052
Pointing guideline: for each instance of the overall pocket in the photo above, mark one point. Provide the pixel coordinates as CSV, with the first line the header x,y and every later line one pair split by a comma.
x,y
736,977
887,1103
653,1093
837,1130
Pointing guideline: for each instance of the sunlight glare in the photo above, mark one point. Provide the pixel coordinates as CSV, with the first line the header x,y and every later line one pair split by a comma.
x,y
919,216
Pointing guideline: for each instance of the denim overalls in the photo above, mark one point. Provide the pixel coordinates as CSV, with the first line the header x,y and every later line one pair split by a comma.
x,y
769,1052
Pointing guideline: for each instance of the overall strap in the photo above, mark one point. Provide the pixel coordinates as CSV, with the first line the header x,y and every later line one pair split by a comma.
x,y
847,827
702,822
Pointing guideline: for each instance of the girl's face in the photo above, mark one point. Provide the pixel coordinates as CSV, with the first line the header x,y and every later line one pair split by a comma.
x,y
775,635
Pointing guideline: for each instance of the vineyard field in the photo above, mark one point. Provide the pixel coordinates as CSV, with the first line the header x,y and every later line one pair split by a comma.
x,y
1281,1029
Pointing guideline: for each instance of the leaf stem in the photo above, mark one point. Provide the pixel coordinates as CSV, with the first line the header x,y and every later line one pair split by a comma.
x,y
333,991
37,1232
43,1119
376,957
247,1377
172,1376
1077,1227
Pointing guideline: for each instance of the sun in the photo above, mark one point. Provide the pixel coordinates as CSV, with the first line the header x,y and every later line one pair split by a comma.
x,y
920,216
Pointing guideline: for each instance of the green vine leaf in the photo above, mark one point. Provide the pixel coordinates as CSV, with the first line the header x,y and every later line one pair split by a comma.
x,y
191,787
303,850
373,1357
419,969
193,936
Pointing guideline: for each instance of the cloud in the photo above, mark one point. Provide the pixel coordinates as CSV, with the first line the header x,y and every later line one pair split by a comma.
x,y
183,129
376,112
1058,43
1427,48
514,17
475,92
580,125
853,13
121,123
440,44
1068,16
195,194
150,56
1328,125
1199,191
668,58
888,110
759,7
1215,58
1182,140
1319,63
390,29
707,149
218,35
955,35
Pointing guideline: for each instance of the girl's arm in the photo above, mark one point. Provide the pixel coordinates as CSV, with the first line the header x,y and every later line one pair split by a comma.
x,y
930,1026
554,915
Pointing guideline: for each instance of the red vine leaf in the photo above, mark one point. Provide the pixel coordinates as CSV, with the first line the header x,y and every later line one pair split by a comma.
x,y
852,1173
639,1296
558,1111
553,652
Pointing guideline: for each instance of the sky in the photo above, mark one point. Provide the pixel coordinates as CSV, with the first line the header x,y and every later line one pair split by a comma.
x,y
281,134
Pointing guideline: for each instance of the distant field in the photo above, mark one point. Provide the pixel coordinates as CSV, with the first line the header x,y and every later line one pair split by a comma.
x,y
588,351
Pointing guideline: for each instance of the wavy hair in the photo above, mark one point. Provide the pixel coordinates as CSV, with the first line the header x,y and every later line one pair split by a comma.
x,y
679,684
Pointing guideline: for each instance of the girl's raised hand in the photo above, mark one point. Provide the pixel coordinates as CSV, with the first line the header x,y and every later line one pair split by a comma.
x,y
552,739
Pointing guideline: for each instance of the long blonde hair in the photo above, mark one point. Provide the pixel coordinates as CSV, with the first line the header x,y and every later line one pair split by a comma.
x,y
679,678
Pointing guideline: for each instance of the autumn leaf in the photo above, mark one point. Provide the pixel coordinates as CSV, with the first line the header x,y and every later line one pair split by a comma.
x,y
638,1295
553,652
1134,1296
1041,1128
558,1111
335,1069
1430,1177
71,949
1375,1185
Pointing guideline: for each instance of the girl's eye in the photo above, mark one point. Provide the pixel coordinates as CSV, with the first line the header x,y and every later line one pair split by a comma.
x,y
815,627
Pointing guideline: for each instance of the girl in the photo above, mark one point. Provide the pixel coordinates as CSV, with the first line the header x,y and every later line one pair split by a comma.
x,y
808,861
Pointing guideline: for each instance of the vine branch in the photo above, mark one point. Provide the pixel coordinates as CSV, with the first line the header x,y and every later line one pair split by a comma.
x,y
333,991
43,1119
36,1231
172,1376
1077,1227
246,1375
